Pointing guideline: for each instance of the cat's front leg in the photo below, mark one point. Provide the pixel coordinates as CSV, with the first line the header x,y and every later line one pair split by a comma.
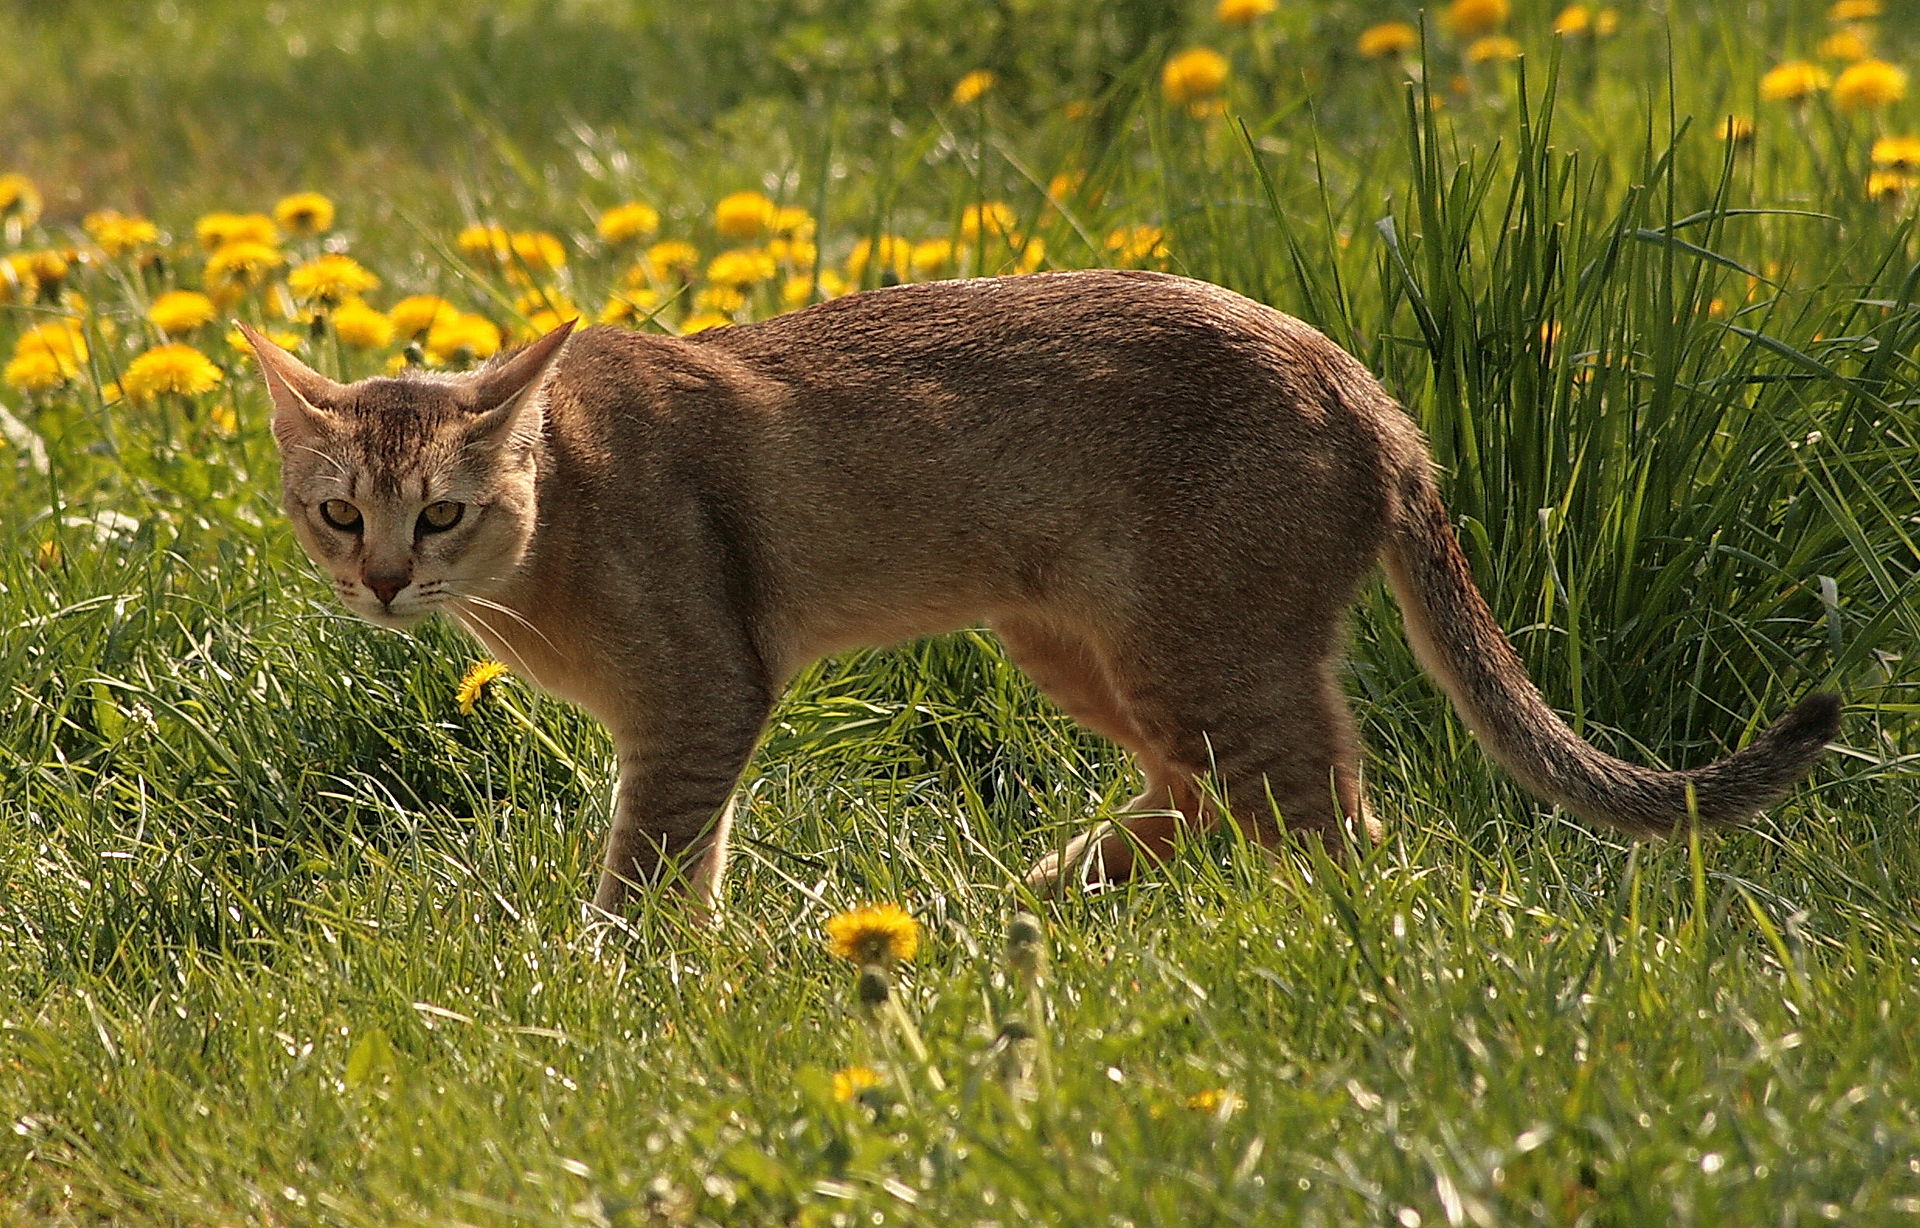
x,y
671,808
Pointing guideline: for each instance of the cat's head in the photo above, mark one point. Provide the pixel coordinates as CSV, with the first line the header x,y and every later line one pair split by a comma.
x,y
415,493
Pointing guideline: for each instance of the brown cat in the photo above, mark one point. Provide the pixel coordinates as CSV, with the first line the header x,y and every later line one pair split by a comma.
x,y
1160,494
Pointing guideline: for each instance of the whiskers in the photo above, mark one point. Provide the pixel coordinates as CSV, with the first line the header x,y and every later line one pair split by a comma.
x,y
331,460
487,603
467,608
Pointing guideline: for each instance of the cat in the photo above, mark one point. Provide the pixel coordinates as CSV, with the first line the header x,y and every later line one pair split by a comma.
x,y
1161,495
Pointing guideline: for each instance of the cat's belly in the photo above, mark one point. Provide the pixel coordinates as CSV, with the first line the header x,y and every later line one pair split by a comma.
x,y
850,621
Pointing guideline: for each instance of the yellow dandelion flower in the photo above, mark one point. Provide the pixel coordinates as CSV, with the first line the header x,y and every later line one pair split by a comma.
x,y
1137,244
19,199
1473,18
630,306
65,338
972,87
1890,185
416,313
1194,75
539,323
1844,45
884,934
1898,152
1493,47
796,292
800,291
362,327
117,233
849,1083
701,321
744,267
461,338
536,251
1242,12
332,278
1868,85
474,685
46,555
1033,254
242,265
792,222
625,223
743,216
793,253
931,258
992,217
1388,40
218,230
238,343
1213,1100
48,267
545,300
891,254
174,368
304,214
484,243
1605,22
1736,130
719,300
675,257
1574,19
16,280
1854,10
1793,81
39,370
178,312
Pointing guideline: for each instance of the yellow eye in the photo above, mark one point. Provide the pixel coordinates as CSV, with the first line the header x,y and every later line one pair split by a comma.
x,y
441,516
341,515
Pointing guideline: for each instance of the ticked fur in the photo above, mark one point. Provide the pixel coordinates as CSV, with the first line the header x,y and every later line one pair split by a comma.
x,y
1162,496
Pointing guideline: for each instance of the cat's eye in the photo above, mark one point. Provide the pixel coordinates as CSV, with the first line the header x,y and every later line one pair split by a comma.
x,y
341,515
441,516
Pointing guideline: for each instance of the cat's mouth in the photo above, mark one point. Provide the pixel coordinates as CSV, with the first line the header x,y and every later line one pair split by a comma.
x,y
396,617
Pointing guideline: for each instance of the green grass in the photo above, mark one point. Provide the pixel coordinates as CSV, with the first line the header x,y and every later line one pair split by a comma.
x,y
291,940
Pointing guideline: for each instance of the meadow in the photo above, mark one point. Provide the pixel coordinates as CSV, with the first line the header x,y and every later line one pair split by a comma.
x,y
291,907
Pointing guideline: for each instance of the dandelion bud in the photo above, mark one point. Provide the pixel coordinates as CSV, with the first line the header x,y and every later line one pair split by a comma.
x,y
1026,946
1024,930
1014,1030
873,987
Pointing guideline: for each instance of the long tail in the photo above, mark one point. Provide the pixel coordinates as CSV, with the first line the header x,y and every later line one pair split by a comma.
x,y
1456,638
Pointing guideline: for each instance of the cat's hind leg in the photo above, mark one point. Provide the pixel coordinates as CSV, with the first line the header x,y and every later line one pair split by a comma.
x,y
1269,728
1070,671
1264,723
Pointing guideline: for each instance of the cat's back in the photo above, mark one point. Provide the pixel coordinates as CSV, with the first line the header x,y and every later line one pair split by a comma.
x,y
1075,379
1140,365
1047,323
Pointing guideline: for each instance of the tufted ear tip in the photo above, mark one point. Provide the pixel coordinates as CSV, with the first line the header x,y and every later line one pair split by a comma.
x,y
500,389
298,391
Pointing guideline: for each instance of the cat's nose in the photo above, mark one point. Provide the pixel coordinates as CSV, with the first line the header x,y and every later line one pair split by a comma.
x,y
386,585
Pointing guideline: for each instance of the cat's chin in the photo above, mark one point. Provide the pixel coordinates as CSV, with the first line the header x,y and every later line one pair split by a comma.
x,y
391,620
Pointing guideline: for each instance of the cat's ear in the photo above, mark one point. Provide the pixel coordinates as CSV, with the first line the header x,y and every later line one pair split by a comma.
x,y
503,395
302,397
